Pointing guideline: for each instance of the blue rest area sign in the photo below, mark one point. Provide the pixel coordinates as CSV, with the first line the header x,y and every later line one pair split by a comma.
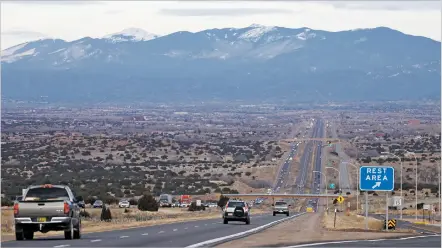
x,y
376,178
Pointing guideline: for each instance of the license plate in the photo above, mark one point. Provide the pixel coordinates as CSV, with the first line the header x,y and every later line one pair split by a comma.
x,y
41,219
229,214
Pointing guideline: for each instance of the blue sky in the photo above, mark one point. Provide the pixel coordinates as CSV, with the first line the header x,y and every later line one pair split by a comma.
x,y
22,21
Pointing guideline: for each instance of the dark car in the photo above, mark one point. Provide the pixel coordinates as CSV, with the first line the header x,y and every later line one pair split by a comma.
x,y
81,204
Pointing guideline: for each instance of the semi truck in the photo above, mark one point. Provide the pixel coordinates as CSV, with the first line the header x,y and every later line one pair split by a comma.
x,y
165,200
185,201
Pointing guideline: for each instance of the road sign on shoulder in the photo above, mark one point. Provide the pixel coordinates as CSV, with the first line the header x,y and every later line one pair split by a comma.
x,y
340,199
376,178
397,201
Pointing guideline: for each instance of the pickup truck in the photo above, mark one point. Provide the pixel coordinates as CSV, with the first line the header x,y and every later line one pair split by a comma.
x,y
47,208
281,207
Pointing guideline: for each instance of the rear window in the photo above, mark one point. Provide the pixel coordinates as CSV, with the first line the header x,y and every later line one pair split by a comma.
x,y
46,194
236,204
280,203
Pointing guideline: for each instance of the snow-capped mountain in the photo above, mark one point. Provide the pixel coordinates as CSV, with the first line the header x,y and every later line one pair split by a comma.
x,y
254,62
131,34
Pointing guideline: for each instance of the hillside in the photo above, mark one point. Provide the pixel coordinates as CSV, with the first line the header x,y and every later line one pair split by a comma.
x,y
255,64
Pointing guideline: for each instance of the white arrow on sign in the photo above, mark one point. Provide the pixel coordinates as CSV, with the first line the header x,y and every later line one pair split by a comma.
x,y
376,185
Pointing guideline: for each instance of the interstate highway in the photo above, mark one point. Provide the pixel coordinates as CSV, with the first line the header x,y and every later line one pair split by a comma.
x,y
168,235
413,241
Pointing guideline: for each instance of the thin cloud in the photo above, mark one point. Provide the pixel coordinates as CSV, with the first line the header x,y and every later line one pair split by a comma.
x,y
56,2
22,34
388,5
114,12
223,12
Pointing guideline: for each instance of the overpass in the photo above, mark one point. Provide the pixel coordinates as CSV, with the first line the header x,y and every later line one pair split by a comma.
x,y
290,196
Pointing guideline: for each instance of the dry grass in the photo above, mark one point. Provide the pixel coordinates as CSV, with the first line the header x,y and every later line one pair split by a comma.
x,y
344,222
121,220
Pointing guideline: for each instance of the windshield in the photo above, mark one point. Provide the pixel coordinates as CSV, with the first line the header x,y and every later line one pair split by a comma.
x,y
46,194
235,204
280,203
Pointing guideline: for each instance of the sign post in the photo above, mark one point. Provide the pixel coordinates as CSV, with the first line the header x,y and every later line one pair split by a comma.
x,y
376,178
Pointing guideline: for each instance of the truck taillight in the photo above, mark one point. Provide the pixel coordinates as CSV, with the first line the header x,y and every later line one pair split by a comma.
x,y
66,208
15,208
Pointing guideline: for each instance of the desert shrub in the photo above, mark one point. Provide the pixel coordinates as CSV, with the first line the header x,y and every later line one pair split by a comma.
x,y
85,214
106,214
148,203
194,207
6,202
133,202
222,201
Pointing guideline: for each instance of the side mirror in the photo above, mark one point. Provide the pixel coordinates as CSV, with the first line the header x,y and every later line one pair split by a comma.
x,y
273,205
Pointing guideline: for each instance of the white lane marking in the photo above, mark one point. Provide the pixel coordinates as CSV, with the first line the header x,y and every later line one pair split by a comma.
x,y
123,237
375,240
175,230
145,234
160,231
196,226
58,246
205,224
95,240
405,238
354,241
323,243
205,243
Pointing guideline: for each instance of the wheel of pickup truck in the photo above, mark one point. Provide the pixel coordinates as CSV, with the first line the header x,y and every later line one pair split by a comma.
x,y
288,214
274,214
226,221
77,231
69,234
19,235
248,221
29,235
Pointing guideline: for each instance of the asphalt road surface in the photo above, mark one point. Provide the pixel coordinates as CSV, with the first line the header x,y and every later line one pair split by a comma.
x,y
167,235
284,175
316,182
416,241
401,224
344,182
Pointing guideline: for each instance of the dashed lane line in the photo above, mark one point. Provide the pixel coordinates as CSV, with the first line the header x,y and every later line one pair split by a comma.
x,y
95,240
123,237
59,246
356,241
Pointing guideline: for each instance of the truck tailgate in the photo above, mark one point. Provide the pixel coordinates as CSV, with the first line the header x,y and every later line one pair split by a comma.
x,y
41,209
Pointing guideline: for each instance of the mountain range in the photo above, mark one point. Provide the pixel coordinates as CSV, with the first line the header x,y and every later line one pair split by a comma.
x,y
254,64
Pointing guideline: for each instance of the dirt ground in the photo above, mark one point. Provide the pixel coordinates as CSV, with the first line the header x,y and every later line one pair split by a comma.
x,y
303,229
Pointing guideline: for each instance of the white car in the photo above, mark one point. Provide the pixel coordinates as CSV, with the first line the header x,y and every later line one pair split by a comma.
x,y
236,211
124,204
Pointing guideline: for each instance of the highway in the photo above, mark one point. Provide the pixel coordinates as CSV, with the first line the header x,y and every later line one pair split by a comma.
x,y
167,235
416,241
284,175
344,182
316,177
